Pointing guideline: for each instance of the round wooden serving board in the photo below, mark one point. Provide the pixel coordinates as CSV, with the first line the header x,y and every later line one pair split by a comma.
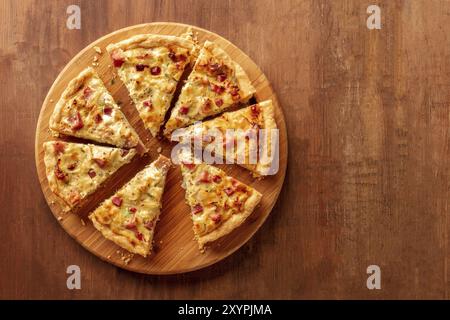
x,y
175,251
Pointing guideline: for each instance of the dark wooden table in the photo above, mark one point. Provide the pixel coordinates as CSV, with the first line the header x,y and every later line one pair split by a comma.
x,y
368,174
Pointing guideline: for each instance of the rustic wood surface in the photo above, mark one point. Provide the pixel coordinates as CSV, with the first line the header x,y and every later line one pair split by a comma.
x,y
367,114
175,251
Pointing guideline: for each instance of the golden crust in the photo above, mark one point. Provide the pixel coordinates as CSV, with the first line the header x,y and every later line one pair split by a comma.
x,y
235,221
150,41
245,85
269,123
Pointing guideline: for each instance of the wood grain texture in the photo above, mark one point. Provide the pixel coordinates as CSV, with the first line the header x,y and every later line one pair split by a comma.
x,y
367,114
175,250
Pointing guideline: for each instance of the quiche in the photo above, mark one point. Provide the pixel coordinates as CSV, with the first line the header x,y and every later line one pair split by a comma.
x,y
129,217
76,170
243,137
87,110
150,66
219,203
215,84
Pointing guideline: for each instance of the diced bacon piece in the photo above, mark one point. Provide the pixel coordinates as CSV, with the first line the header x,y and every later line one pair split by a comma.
x,y
197,209
117,201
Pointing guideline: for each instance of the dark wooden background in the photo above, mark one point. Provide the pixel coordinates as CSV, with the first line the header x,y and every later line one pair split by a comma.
x,y
368,173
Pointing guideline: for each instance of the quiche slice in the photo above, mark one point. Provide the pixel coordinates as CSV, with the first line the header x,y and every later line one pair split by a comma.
x,y
87,110
150,66
215,84
129,217
219,203
76,170
246,133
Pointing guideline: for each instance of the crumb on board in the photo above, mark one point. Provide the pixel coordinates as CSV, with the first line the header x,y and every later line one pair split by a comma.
x,y
109,66
95,64
51,100
109,257
159,149
98,50
60,218
160,241
82,222
95,59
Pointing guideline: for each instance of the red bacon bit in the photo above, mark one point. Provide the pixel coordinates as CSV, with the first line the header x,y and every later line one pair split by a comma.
x,y
219,102
221,77
124,152
118,60
216,218
184,109
149,224
238,204
190,166
217,179
78,122
139,235
131,224
60,175
141,67
72,166
213,67
255,110
155,70
107,111
229,191
176,58
148,104
117,201
197,209
206,106
98,118
133,209
204,177
87,92
217,89
101,162
59,147
92,173
235,93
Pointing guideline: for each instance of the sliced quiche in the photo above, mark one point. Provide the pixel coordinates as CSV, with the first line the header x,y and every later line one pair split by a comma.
x,y
129,217
215,84
76,170
150,66
243,136
87,110
219,203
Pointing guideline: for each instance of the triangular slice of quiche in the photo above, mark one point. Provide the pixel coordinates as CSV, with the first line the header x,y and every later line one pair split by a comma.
x,y
150,66
76,170
219,203
87,110
129,217
245,133
215,84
